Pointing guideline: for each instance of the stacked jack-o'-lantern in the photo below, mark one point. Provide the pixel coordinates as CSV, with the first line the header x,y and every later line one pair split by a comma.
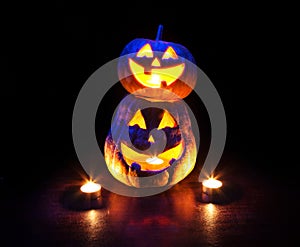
x,y
151,142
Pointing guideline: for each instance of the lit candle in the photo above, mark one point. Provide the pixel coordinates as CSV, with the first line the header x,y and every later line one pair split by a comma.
x,y
154,161
91,189
211,189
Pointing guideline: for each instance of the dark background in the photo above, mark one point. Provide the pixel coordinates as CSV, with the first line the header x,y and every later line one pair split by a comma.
x,y
50,51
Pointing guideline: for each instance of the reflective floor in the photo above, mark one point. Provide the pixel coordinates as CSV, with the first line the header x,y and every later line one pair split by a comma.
x,y
253,213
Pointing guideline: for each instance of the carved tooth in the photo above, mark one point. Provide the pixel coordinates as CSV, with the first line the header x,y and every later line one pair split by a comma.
x,y
171,162
163,84
135,167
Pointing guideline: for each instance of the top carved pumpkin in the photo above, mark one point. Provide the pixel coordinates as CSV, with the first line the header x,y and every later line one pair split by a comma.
x,y
150,64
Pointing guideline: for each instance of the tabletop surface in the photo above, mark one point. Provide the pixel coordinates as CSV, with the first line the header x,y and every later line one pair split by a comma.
x,y
257,212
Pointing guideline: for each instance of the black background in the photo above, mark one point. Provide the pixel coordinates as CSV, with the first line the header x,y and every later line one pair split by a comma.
x,y
246,50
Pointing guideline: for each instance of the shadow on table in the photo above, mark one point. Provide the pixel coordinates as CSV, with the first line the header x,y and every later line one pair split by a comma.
x,y
73,199
228,193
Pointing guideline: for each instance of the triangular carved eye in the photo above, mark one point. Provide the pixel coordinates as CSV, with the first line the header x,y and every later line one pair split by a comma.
x,y
167,121
170,53
138,119
145,51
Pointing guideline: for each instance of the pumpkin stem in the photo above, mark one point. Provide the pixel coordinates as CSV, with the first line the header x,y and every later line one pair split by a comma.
x,y
159,32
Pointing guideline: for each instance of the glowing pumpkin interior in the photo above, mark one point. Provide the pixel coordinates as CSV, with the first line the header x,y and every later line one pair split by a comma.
x,y
132,151
152,161
157,75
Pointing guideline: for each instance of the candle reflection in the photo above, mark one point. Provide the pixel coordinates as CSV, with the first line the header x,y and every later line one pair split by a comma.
x,y
92,217
210,213
94,223
210,222
150,216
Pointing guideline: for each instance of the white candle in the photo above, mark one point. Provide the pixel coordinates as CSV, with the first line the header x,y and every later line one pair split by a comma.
x,y
92,189
210,189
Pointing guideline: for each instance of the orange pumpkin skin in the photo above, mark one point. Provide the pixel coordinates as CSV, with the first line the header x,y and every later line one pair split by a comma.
x,y
127,173
182,86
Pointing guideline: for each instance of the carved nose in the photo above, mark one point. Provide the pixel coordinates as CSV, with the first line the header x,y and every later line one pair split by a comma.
x,y
151,139
155,62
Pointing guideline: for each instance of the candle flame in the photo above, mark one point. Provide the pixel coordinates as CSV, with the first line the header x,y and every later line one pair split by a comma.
x,y
212,183
90,187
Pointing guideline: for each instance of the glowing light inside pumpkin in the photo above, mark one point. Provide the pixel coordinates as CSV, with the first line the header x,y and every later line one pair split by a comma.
x,y
212,183
154,161
131,156
138,119
90,187
155,79
156,76
167,121
155,62
145,51
170,53
151,139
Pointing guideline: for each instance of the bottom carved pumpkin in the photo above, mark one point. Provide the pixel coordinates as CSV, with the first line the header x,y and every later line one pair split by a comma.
x,y
151,144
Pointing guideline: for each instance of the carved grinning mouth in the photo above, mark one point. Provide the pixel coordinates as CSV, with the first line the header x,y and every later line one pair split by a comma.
x,y
156,77
150,162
